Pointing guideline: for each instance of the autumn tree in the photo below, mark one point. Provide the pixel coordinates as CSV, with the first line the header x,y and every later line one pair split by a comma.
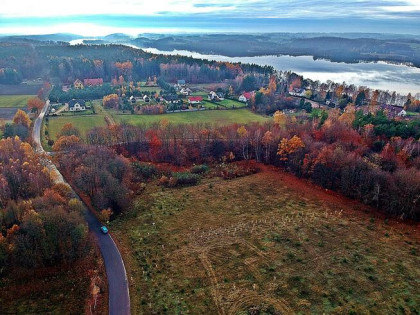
x,y
289,146
280,119
243,136
267,141
65,143
21,118
35,104
68,130
111,101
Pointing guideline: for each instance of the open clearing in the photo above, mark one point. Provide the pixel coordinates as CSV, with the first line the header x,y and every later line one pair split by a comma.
x,y
222,117
14,101
269,242
83,123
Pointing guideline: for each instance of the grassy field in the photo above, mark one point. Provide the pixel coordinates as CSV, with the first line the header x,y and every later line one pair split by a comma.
x,y
266,242
14,101
83,123
232,103
241,116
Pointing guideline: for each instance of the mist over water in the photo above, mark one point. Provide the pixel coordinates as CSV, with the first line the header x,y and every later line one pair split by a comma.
x,y
380,75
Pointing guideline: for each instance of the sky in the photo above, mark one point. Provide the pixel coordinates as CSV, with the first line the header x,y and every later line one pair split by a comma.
x,y
96,18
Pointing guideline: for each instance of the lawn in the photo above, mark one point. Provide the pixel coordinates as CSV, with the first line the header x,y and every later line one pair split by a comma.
x,y
228,103
223,117
14,101
266,242
83,123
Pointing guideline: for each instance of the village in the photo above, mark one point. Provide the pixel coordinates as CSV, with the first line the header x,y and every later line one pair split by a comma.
x,y
150,97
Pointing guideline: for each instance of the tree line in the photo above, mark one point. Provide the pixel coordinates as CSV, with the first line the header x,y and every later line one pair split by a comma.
x,y
334,152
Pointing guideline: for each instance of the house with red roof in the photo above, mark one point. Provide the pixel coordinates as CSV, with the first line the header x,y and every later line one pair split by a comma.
x,y
245,97
93,82
194,100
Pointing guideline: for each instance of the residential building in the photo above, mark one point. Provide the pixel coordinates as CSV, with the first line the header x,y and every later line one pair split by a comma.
x,y
77,105
78,84
93,82
192,100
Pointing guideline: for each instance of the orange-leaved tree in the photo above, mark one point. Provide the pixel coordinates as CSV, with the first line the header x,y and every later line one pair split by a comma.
x,y
35,104
66,143
21,118
289,146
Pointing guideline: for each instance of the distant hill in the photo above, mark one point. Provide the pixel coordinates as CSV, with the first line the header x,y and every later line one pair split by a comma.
x,y
339,47
63,37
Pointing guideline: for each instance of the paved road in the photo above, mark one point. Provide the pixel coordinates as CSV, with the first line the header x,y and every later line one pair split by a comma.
x,y
119,298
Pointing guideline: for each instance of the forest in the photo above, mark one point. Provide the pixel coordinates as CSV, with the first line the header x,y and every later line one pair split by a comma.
x,y
41,223
64,63
341,152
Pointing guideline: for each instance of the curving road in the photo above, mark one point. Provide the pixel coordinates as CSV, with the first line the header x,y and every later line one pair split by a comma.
x,y
119,298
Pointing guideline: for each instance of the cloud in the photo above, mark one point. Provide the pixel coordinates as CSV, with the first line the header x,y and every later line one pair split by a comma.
x,y
29,16
233,8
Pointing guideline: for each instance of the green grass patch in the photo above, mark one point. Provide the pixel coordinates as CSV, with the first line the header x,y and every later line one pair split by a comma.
x,y
228,103
413,114
83,123
14,101
221,117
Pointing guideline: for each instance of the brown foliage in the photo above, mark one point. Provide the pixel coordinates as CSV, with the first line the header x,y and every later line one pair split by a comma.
x,y
35,104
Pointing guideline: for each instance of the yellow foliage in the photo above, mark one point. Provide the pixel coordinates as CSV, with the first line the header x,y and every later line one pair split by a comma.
x,y
287,147
280,118
242,132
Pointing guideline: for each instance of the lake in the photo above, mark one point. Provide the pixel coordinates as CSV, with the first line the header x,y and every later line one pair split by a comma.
x,y
376,75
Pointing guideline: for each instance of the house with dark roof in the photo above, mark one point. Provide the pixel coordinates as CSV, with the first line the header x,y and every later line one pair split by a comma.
x,y
170,98
185,91
392,111
214,97
297,92
77,105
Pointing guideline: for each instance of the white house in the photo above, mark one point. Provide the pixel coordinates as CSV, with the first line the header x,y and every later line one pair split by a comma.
x,y
146,99
194,100
298,92
185,91
245,97
77,105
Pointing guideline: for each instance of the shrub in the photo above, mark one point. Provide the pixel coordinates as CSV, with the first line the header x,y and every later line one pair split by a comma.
x,y
144,171
230,171
199,169
179,179
164,180
184,178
